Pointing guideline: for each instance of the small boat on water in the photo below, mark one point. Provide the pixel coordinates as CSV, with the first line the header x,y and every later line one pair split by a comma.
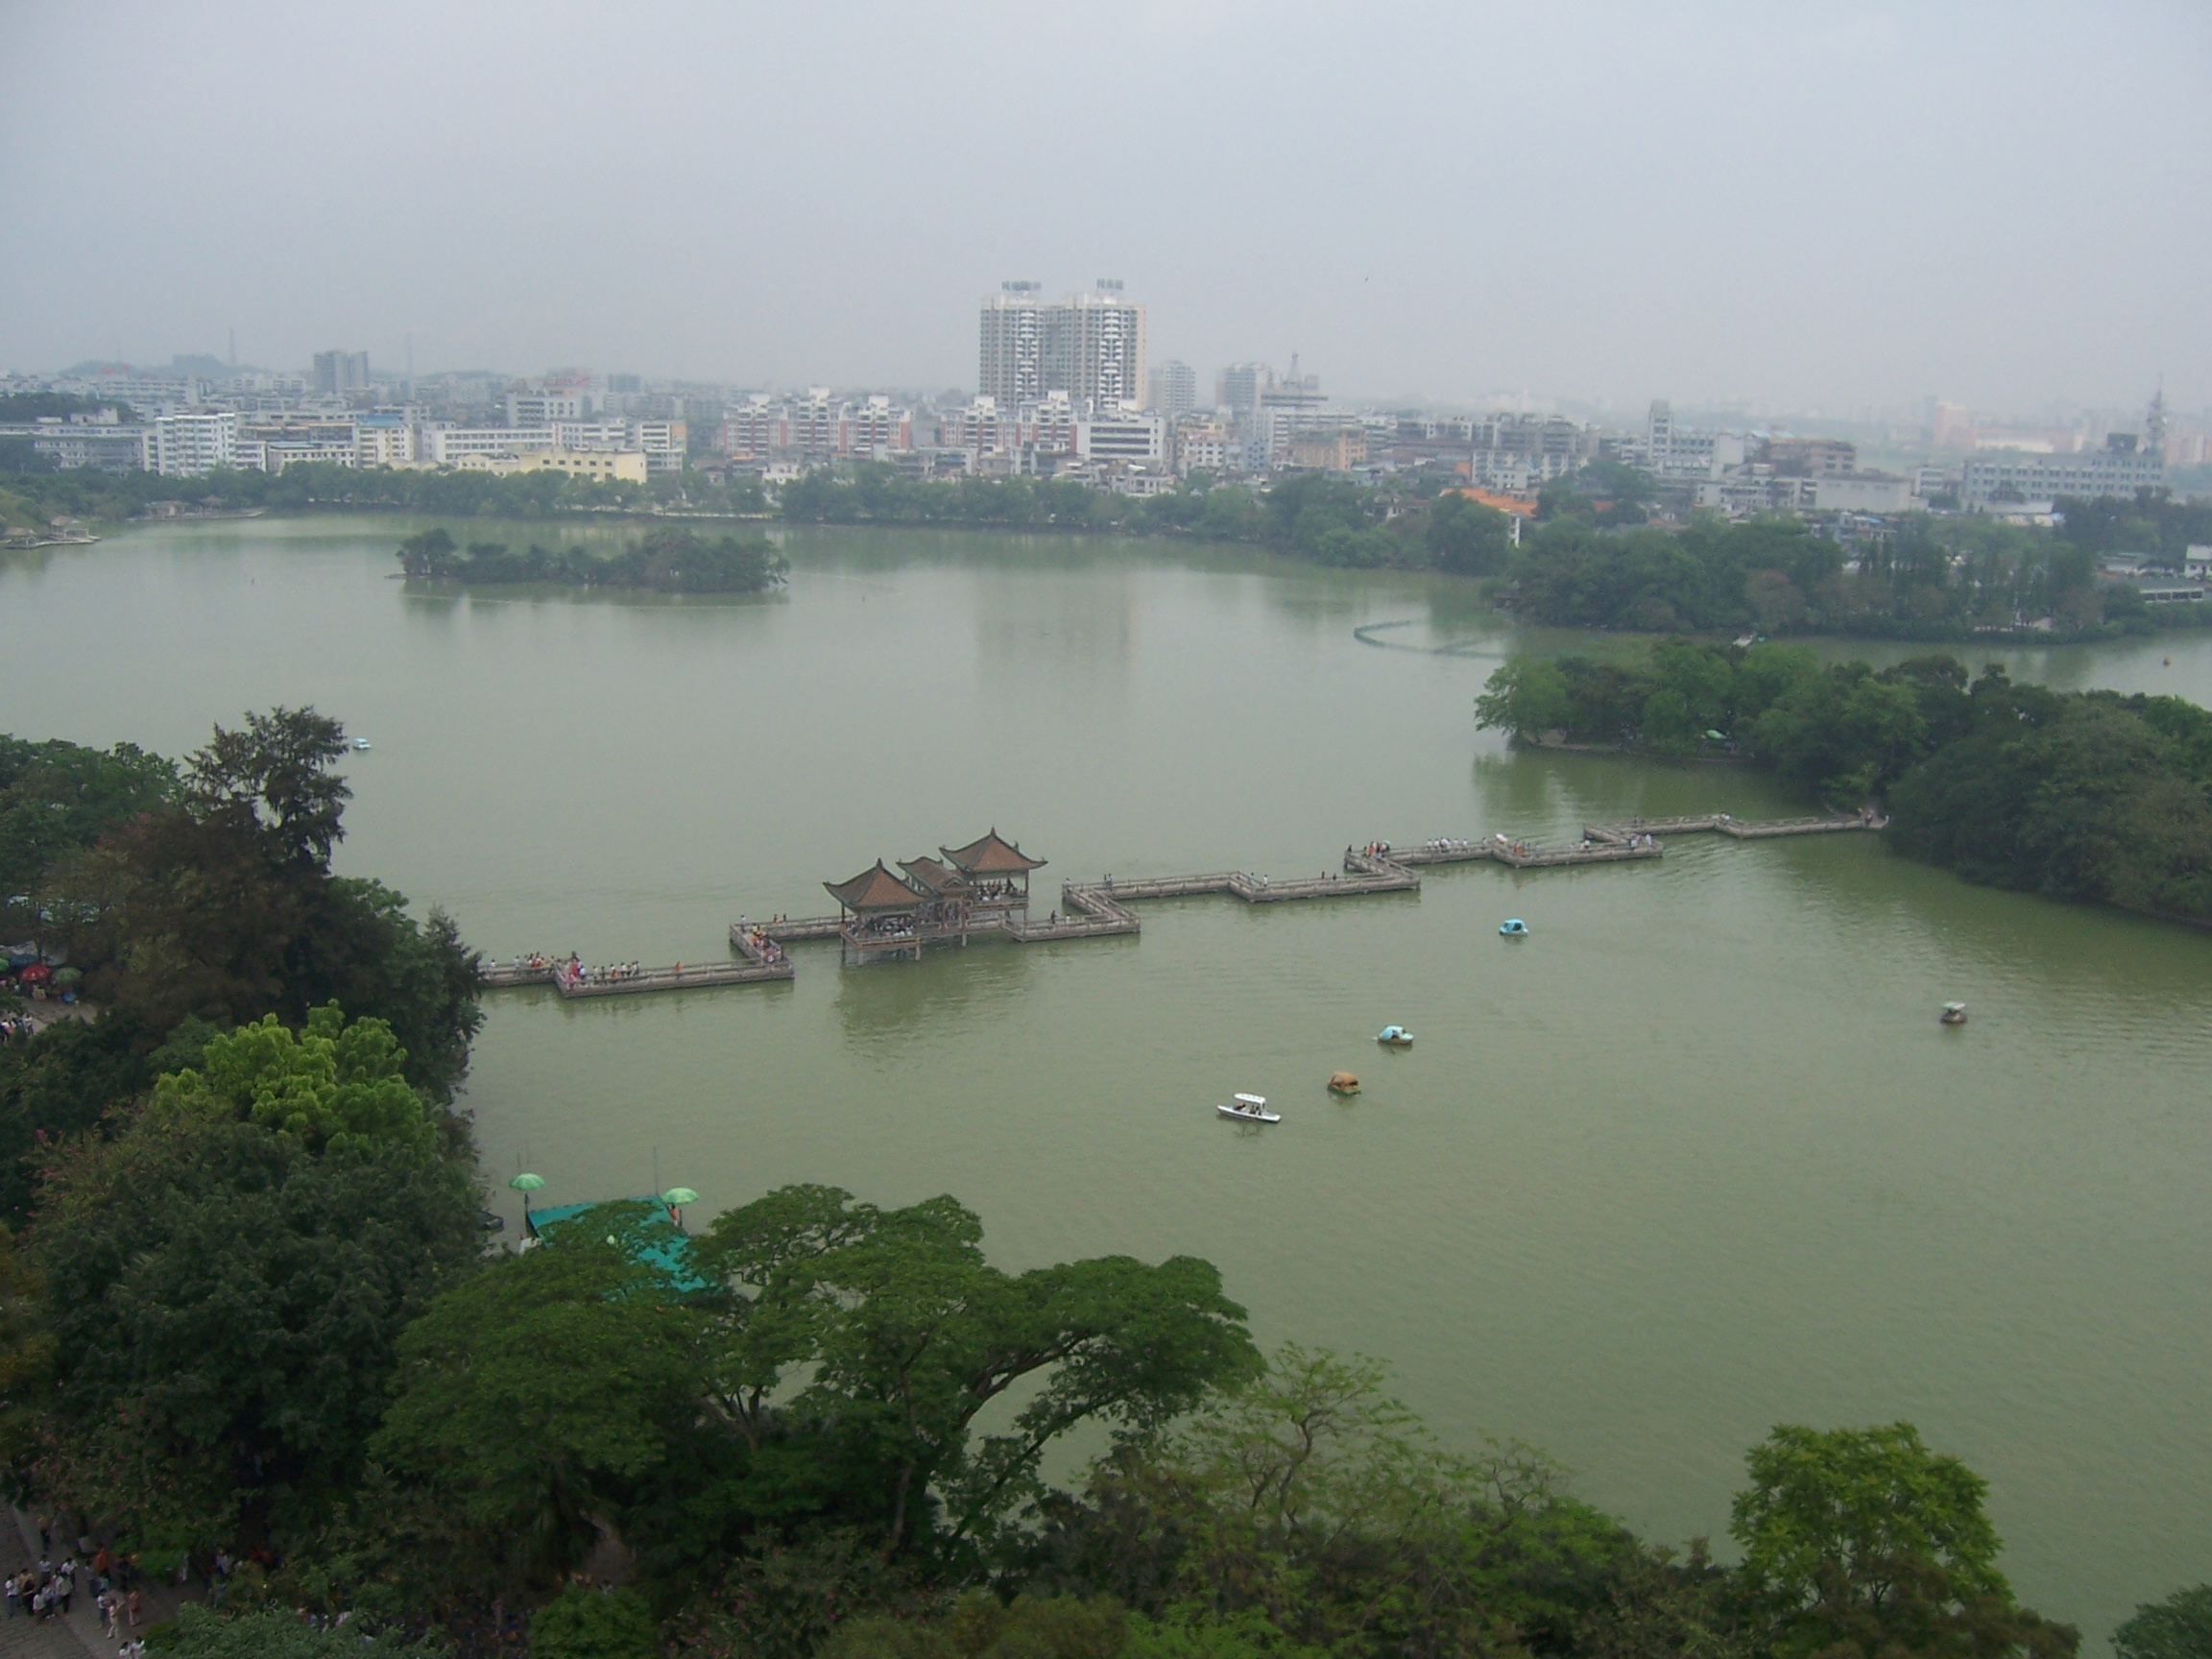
x,y
360,743
1343,1083
1514,928
1394,1037
1954,1014
1249,1109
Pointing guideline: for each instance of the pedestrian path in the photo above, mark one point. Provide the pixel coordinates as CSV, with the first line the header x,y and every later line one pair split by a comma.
x,y
77,1636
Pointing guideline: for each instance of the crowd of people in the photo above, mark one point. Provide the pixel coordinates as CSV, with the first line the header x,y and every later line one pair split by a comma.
x,y
759,946
49,1590
17,1027
572,972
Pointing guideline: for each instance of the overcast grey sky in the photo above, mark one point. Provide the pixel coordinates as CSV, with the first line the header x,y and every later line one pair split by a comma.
x,y
1822,203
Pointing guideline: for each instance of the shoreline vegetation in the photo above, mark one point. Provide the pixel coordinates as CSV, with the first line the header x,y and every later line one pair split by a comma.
x,y
2083,795
665,560
255,1343
1588,558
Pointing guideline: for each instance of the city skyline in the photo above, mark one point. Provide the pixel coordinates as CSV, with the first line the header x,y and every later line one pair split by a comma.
x,y
1849,208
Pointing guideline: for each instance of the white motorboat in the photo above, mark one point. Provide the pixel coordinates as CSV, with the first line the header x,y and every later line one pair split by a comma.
x,y
360,744
1249,1109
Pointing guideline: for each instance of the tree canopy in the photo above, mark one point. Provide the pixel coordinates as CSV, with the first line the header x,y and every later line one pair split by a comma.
x,y
2179,1627
672,559
240,1262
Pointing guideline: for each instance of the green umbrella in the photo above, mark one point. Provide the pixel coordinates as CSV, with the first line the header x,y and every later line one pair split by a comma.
x,y
526,1183
676,1195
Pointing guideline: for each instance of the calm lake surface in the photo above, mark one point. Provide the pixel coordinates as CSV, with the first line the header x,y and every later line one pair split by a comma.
x,y
1693,1160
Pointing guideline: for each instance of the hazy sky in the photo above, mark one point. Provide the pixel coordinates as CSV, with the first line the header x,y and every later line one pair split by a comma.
x,y
1824,204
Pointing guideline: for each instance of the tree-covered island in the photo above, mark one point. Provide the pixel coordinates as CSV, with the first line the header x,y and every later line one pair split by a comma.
x,y
674,559
2086,795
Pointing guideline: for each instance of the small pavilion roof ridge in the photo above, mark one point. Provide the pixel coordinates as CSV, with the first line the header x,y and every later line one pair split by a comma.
x,y
991,854
874,888
936,877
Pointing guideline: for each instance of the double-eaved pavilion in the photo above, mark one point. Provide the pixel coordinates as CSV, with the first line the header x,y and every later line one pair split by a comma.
x,y
980,888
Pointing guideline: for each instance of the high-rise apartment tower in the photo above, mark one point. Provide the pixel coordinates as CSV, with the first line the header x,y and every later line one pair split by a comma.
x,y
1172,388
1089,346
337,373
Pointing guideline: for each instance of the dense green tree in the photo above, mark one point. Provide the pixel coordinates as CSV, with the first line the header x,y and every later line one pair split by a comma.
x,y
1467,537
1311,1504
1843,736
56,798
233,1296
1927,578
586,1623
670,560
332,1085
535,1395
2179,1627
199,1633
222,906
2083,796
1865,1541
909,1334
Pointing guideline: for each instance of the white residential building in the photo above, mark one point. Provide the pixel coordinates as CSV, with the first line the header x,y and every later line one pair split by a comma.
x,y
1124,435
106,446
664,443
873,428
278,453
185,445
448,444
2118,469
1209,447
383,444
1861,492
543,408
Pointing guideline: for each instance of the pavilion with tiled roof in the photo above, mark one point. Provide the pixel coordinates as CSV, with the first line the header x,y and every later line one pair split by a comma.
x,y
883,914
997,873
991,855
874,889
980,888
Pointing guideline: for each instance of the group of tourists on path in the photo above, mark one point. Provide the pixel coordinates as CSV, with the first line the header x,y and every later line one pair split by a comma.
x,y
763,948
47,1591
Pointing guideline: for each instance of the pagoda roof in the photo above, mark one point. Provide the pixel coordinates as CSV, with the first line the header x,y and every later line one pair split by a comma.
x,y
927,872
874,888
992,855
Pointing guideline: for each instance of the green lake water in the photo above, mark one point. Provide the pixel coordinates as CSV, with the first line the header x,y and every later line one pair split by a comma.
x,y
1693,1160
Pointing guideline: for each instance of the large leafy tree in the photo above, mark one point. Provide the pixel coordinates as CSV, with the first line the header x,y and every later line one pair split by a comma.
x,y
229,1277
222,906
909,1334
1312,1506
813,1362
536,1397
1866,1541
2179,1627
1466,536
56,798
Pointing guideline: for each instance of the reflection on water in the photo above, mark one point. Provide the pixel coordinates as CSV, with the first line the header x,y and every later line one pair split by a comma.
x,y
893,1002
1691,1160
